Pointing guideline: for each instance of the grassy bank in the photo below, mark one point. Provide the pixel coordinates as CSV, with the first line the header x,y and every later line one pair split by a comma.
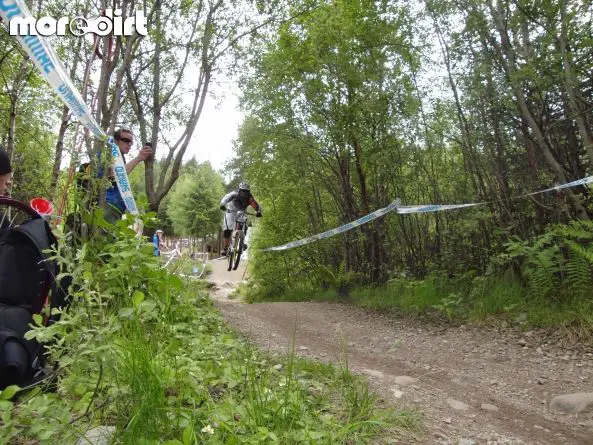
x,y
147,353
499,300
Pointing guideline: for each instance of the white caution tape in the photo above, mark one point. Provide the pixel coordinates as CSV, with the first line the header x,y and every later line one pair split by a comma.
x,y
50,67
359,222
434,207
412,209
439,207
584,181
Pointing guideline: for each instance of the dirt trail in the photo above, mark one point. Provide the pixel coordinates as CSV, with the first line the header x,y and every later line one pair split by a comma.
x,y
473,386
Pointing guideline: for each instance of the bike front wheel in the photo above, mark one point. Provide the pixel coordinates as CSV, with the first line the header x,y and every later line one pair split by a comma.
x,y
238,252
231,253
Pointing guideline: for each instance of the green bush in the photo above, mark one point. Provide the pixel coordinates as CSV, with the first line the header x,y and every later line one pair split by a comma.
x,y
148,353
556,265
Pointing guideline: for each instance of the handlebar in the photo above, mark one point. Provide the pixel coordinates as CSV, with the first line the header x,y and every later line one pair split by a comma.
x,y
237,211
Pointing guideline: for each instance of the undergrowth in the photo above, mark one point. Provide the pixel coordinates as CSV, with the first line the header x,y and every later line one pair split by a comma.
x,y
143,351
544,282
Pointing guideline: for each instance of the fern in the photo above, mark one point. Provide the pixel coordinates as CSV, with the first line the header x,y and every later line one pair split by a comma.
x,y
540,271
579,250
556,263
582,230
326,274
578,275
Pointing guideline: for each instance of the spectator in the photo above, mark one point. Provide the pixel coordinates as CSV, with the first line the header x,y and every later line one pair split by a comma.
x,y
5,173
115,204
178,248
156,241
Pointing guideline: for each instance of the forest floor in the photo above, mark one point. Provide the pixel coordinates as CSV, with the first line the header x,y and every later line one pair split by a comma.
x,y
471,385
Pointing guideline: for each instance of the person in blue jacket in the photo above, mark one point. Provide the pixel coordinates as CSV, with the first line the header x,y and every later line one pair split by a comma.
x,y
115,204
157,242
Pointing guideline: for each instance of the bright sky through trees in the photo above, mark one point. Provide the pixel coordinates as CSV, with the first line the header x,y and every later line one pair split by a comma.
x,y
216,130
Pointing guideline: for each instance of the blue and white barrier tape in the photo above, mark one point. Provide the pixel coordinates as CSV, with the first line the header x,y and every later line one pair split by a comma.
x,y
434,208
359,222
438,207
411,209
50,67
583,181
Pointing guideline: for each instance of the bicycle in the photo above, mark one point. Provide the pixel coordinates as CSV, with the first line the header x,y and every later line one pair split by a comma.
x,y
237,238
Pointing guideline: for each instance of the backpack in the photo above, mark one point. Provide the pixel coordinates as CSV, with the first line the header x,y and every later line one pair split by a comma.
x,y
27,277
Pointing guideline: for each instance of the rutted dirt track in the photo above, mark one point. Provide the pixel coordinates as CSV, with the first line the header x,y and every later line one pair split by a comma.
x,y
472,386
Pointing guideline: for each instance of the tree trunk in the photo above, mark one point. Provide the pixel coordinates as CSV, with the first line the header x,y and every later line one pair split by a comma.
x,y
64,124
14,96
55,174
528,116
569,84
467,144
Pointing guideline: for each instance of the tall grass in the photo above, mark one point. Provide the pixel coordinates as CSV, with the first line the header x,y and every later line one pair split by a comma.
x,y
141,402
184,374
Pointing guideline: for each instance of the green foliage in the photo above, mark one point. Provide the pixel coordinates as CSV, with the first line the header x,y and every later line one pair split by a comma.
x,y
324,117
392,101
500,296
449,305
31,152
555,265
142,350
343,281
35,117
194,204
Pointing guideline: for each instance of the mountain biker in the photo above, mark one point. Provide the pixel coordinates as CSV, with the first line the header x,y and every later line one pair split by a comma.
x,y
238,199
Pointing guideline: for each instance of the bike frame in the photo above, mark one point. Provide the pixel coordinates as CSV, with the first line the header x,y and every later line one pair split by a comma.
x,y
237,238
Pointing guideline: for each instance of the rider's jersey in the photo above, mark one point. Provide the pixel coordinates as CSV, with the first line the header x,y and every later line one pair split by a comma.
x,y
235,202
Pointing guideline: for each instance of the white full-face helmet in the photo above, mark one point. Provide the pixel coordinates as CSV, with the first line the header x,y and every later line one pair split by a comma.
x,y
244,189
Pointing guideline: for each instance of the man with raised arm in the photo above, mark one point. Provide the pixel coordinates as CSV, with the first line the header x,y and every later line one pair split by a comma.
x,y
115,203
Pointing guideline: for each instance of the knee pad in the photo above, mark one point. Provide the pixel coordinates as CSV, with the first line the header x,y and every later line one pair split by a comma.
x,y
227,233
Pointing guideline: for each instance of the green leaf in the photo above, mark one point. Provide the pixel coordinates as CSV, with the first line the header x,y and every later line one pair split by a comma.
x,y
188,435
147,306
126,312
138,298
38,319
9,392
5,405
